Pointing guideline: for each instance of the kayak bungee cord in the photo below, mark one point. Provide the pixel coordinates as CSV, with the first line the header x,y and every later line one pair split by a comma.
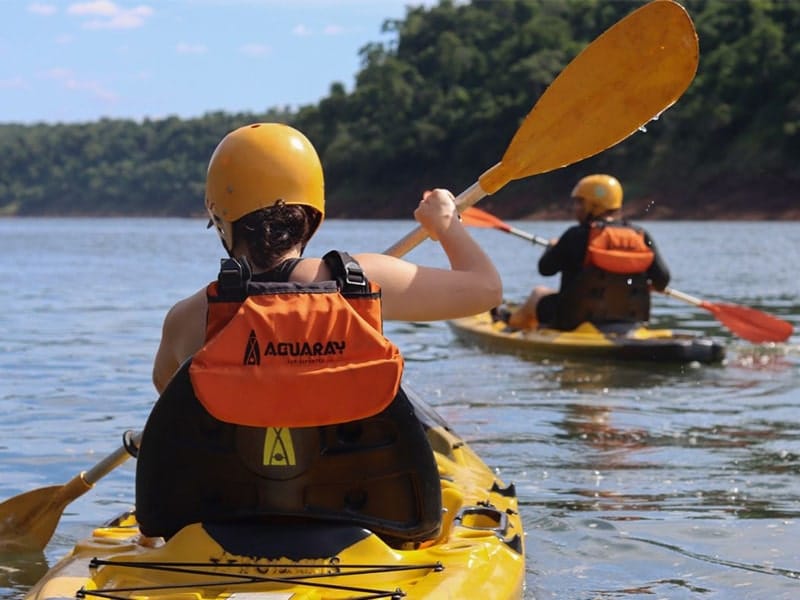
x,y
191,568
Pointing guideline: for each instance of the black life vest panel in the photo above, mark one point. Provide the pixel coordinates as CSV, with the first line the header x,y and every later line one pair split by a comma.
x,y
613,286
376,472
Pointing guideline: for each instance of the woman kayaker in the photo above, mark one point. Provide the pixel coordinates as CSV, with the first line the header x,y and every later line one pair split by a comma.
x,y
607,266
265,196
280,397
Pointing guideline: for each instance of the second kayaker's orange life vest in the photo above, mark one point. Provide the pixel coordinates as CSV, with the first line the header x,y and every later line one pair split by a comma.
x,y
285,354
617,248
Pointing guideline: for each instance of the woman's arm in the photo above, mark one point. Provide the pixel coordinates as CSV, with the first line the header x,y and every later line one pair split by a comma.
x,y
182,335
413,292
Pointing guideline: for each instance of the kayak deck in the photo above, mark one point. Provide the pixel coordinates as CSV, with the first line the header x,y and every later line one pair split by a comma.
x,y
615,341
479,552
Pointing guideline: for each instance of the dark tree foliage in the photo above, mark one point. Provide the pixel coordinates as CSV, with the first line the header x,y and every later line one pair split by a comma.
x,y
438,105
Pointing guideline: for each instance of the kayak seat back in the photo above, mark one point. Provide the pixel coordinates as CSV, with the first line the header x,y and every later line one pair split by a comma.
x,y
378,473
599,297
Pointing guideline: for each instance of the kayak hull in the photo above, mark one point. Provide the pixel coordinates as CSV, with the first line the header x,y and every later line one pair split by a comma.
x,y
479,552
629,342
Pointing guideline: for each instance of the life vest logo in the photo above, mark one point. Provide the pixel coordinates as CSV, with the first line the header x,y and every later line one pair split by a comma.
x,y
304,348
252,353
297,351
278,448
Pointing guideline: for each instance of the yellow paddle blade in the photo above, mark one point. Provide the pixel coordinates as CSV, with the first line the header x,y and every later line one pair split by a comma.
x,y
27,521
625,78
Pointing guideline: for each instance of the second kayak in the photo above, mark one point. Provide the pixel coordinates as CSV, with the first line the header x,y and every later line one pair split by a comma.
x,y
617,341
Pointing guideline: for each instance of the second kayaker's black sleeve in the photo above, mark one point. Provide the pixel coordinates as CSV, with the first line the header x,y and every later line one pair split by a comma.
x,y
658,271
568,253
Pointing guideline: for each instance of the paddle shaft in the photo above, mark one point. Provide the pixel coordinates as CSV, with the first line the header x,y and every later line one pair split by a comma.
x,y
685,297
110,462
525,235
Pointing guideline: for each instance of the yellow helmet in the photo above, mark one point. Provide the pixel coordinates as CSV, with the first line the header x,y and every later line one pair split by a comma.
x,y
599,193
257,165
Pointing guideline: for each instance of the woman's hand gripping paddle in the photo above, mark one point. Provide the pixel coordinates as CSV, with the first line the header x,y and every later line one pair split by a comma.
x,y
625,78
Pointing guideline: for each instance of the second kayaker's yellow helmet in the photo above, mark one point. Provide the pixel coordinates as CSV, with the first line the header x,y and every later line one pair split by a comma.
x,y
599,194
257,165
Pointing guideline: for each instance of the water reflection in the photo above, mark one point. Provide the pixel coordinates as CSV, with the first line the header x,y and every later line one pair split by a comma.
x,y
593,425
608,376
20,571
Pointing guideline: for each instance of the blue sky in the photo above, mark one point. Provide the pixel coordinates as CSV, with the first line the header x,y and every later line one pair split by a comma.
x,y
77,61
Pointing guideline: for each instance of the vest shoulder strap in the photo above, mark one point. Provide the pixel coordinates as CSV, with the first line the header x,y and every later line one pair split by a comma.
x,y
233,277
347,273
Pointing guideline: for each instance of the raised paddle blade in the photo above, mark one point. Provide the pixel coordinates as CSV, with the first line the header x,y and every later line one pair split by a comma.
x,y
625,78
750,324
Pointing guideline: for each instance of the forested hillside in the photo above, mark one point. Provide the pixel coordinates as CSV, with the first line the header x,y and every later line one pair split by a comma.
x,y
439,104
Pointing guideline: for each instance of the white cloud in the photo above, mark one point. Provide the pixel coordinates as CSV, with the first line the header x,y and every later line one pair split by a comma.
x,y
45,10
15,83
303,31
333,30
57,73
69,81
104,8
186,48
255,50
93,88
104,14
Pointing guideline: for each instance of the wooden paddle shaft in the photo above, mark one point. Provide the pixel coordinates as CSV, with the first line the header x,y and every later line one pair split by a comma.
x,y
413,239
684,297
109,463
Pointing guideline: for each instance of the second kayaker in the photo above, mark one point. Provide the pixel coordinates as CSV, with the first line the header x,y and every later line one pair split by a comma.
x,y
607,266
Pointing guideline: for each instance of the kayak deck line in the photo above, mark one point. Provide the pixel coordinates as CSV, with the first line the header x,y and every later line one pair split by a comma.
x,y
193,568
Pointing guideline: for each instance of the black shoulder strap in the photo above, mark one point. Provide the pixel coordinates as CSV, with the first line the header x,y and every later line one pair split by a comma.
x,y
234,275
346,271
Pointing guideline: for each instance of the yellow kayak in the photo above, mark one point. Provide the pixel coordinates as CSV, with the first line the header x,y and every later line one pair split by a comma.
x,y
619,341
478,552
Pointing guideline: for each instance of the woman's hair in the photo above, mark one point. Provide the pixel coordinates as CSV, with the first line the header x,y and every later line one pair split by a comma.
x,y
269,233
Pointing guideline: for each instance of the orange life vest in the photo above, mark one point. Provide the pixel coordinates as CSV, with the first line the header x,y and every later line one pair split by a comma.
x,y
285,354
617,248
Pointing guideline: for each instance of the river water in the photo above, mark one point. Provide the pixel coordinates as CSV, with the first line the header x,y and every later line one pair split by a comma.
x,y
635,481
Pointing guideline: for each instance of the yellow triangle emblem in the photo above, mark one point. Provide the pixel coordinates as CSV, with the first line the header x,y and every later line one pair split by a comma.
x,y
278,447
